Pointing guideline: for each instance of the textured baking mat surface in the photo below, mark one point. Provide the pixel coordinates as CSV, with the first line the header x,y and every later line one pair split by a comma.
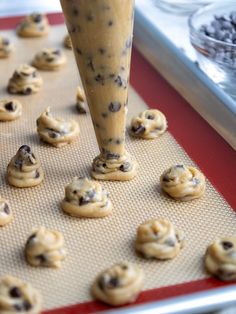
x,y
94,244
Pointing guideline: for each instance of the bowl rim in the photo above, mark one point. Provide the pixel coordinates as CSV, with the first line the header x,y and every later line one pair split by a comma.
x,y
199,11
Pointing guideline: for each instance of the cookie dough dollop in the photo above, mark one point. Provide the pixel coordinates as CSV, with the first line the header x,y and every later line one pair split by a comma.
x,y
5,212
17,296
24,169
149,124
25,80
80,100
49,59
158,238
220,258
56,131
120,284
67,42
34,25
183,183
86,198
6,47
45,248
10,109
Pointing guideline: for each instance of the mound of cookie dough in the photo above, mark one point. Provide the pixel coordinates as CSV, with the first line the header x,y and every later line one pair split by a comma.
x,y
86,198
5,212
67,42
49,59
220,258
45,248
10,109
25,80
119,284
80,100
6,47
183,183
34,25
24,169
56,131
158,238
17,296
149,124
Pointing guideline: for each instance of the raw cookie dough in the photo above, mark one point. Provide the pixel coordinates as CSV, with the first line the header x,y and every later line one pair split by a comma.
x,y
45,248
220,258
34,25
10,109
5,213
149,124
108,166
67,42
25,80
6,47
17,296
49,59
158,238
80,100
183,183
119,284
86,198
24,169
56,131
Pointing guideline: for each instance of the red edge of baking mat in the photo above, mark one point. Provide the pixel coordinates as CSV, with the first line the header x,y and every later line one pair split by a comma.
x,y
210,152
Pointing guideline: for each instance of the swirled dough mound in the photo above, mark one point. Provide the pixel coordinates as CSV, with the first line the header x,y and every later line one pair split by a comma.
x,y
109,166
80,100
158,238
56,131
183,183
149,124
5,212
24,169
49,59
6,47
45,248
67,42
34,25
86,198
220,258
10,109
119,284
25,80
17,296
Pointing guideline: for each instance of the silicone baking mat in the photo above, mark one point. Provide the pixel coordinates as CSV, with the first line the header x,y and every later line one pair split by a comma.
x,y
94,244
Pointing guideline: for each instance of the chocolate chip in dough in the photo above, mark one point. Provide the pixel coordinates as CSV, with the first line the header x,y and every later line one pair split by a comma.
x,y
28,91
10,106
140,129
38,18
27,305
114,107
125,167
227,245
6,209
15,292
110,23
114,282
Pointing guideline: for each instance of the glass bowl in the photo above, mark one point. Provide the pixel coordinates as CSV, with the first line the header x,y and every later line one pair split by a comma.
x,y
217,58
181,6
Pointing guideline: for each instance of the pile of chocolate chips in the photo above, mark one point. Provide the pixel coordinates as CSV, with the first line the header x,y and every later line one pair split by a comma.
x,y
222,28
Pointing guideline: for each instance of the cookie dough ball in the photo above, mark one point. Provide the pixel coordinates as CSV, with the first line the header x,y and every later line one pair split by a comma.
x,y
119,284
25,80
10,109
17,296
80,100
6,47
149,124
220,258
158,238
56,131
49,59
183,183
86,198
67,42
45,248
24,169
5,212
34,25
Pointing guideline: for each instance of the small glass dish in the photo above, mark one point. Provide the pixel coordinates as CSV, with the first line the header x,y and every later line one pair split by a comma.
x,y
217,58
